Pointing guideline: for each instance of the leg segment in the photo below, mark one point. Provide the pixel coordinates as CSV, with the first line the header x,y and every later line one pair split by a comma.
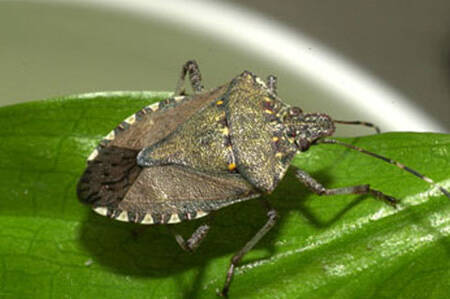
x,y
194,241
272,218
191,68
272,83
317,188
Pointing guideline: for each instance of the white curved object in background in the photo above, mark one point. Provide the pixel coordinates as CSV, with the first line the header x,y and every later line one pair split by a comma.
x,y
296,52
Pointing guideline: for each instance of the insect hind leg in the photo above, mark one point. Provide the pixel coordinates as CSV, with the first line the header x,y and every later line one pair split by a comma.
x,y
319,189
272,215
190,68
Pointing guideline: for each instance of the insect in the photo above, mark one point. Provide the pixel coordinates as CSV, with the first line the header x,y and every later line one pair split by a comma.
x,y
188,156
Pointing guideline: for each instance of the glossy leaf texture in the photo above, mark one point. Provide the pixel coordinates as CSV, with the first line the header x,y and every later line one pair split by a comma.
x,y
51,246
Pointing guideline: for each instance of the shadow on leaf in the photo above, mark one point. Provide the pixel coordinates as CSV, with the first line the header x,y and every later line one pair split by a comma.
x,y
151,251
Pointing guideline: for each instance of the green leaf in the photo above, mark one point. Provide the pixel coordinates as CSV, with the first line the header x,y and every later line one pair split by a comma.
x,y
322,247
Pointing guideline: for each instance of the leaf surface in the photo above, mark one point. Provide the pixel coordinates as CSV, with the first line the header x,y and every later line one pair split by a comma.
x,y
323,247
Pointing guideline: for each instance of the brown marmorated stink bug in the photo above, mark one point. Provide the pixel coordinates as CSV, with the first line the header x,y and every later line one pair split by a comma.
x,y
188,156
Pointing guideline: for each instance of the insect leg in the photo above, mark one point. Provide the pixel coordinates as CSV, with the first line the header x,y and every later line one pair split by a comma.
x,y
319,189
194,241
195,77
272,83
272,218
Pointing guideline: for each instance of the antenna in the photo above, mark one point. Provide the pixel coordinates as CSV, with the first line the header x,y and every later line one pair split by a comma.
x,y
358,122
388,160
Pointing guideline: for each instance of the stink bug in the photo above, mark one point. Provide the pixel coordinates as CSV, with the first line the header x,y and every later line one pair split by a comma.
x,y
188,156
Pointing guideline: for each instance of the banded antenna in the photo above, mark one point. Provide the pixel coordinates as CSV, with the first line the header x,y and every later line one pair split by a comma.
x,y
358,122
388,160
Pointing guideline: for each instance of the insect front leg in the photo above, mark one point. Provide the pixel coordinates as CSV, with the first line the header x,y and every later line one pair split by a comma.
x,y
191,68
272,218
319,189
272,83
194,241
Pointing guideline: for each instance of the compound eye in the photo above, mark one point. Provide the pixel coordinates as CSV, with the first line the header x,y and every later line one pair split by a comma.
x,y
295,111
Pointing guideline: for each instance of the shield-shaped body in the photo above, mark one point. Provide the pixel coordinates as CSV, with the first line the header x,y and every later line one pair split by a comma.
x,y
187,156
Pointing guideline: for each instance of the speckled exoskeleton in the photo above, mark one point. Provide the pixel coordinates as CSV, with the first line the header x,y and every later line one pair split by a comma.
x,y
187,156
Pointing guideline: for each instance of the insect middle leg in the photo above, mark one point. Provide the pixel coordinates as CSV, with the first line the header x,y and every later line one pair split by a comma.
x,y
195,77
319,189
272,218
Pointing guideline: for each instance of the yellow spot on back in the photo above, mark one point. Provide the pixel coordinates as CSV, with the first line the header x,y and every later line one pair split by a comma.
x,y
219,102
278,155
275,139
231,166
267,99
268,111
